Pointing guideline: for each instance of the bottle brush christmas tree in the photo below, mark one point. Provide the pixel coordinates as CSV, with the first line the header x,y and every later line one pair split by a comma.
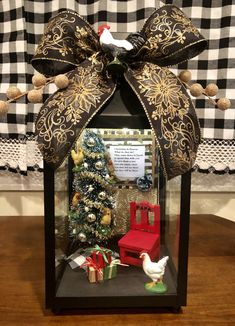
x,y
91,218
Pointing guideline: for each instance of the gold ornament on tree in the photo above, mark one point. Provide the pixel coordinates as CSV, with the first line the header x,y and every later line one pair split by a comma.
x,y
91,217
99,165
102,195
82,237
75,199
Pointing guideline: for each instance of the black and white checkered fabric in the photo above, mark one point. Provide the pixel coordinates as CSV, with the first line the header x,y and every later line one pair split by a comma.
x,y
216,21
22,23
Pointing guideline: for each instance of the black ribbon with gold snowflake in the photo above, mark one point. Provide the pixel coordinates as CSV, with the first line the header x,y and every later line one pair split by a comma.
x,y
70,45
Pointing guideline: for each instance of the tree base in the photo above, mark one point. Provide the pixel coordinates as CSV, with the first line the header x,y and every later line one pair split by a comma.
x,y
158,287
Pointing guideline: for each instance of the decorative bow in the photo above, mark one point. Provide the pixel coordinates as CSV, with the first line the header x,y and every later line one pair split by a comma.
x,y
102,251
90,263
117,262
70,45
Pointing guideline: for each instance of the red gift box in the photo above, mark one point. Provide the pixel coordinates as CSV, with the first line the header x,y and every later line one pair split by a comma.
x,y
94,271
101,256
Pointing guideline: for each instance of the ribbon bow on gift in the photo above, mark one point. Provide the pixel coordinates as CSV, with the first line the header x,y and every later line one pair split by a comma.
x,y
102,251
117,262
70,45
90,263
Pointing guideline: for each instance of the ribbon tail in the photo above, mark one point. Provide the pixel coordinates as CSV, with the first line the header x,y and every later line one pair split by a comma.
x,y
171,115
67,112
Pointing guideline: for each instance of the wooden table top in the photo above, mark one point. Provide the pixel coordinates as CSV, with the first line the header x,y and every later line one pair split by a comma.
x,y
211,278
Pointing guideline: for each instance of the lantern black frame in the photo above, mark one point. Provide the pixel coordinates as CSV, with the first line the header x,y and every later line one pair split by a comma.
x,y
118,116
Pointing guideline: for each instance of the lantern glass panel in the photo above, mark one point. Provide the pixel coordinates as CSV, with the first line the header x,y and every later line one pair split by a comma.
x,y
61,200
72,280
173,193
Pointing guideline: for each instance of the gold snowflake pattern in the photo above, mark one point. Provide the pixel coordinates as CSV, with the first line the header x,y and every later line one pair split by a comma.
x,y
170,113
162,91
66,112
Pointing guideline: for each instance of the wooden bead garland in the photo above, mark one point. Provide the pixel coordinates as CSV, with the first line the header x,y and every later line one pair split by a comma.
x,y
61,81
35,96
185,76
39,80
211,89
196,90
4,107
223,103
13,92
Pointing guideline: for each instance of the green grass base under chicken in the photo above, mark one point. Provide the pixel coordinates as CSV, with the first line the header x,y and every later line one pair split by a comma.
x,y
159,287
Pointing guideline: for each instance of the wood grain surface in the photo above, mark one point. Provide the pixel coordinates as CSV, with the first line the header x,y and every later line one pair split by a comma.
x,y
211,288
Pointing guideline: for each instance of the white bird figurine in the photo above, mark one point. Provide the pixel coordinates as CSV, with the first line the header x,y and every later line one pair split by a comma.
x,y
154,270
107,40
118,49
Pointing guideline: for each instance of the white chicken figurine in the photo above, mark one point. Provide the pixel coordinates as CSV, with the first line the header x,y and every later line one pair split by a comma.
x,y
107,40
117,48
154,270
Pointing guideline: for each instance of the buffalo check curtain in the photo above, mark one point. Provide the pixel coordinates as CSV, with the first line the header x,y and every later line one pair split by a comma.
x,y
22,23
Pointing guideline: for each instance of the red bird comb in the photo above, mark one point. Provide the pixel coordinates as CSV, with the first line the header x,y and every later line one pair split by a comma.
x,y
102,27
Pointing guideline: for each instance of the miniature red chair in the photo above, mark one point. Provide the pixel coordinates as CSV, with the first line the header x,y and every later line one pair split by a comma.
x,y
142,235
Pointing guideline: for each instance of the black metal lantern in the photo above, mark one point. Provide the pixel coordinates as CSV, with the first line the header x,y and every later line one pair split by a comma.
x,y
68,288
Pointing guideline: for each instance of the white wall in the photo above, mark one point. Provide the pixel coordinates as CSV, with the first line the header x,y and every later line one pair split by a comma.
x,y
213,194
21,203
216,203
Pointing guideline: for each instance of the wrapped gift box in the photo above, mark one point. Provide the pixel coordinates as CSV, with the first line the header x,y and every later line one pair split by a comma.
x,y
101,256
94,271
94,275
110,272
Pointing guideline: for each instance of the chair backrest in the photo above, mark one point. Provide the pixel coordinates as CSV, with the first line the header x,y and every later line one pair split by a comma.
x,y
144,223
